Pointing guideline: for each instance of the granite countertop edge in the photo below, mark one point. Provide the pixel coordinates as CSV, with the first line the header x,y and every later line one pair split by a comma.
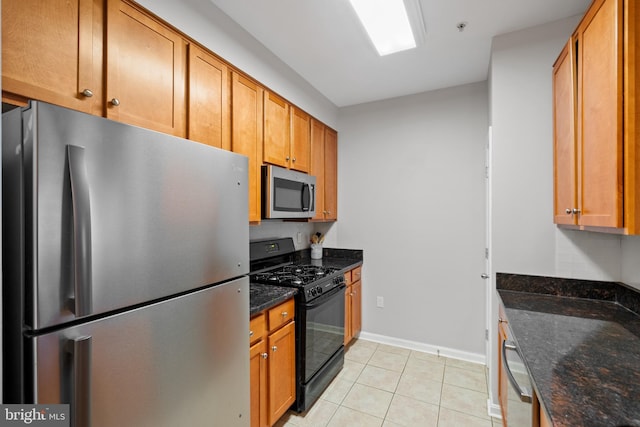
x,y
580,343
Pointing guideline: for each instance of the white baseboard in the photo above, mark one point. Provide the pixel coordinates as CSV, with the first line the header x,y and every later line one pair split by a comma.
x,y
427,348
494,410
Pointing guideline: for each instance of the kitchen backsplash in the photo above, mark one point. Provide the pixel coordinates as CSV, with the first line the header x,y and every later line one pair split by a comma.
x,y
275,228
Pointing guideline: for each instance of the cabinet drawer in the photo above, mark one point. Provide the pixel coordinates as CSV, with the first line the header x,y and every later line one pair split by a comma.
x,y
257,327
348,278
281,314
356,273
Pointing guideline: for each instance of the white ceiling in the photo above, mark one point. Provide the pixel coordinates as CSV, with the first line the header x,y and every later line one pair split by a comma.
x,y
323,41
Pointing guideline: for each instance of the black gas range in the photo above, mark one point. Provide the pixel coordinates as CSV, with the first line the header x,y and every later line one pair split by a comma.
x,y
319,314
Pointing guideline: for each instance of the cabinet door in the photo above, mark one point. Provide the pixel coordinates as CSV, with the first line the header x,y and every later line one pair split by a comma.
x,y
317,165
300,140
282,371
330,175
146,64
48,52
246,118
348,335
209,107
564,161
276,130
356,308
258,375
600,124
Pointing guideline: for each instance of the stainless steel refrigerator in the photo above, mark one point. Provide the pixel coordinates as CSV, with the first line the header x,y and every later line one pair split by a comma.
x,y
125,253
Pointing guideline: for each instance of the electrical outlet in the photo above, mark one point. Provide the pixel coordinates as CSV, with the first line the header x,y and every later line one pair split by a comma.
x,y
380,302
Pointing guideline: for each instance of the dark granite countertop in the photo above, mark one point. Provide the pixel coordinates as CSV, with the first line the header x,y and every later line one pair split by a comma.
x,y
343,259
263,297
580,341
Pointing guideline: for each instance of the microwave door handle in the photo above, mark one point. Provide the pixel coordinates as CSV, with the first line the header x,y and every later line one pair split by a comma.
x,y
306,197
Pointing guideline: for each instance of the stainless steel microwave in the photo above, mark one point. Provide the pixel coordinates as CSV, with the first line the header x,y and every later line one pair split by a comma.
x,y
287,193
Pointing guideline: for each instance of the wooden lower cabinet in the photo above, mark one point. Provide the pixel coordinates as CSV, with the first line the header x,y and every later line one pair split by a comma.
x,y
353,305
544,421
258,363
272,362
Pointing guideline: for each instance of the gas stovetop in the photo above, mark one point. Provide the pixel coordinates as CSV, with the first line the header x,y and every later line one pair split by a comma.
x,y
312,280
272,264
295,274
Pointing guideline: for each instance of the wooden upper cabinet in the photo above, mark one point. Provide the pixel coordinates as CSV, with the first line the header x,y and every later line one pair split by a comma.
x,y
276,130
564,161
300,140
146,63
317,165
331,174
600,115
209,102
324,166
52,51
247,134
597,71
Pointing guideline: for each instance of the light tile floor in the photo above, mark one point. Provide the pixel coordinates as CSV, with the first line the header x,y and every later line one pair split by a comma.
x,y
385,386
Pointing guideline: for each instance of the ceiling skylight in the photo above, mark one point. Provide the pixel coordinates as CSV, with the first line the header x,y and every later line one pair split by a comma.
x,y
386,23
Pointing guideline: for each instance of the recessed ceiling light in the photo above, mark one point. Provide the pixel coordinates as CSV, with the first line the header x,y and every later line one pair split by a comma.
x,y
387,24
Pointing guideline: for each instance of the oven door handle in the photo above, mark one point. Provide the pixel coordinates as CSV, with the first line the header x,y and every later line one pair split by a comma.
x,y
524,394
324,297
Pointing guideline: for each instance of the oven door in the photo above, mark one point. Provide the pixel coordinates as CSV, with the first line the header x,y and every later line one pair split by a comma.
x,y
323,329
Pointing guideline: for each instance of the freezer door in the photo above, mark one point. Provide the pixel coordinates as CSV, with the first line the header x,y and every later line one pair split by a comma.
x,y
181,362
116,215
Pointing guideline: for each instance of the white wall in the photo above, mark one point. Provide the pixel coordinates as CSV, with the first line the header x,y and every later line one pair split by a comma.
x,y
209,26
411,194
524,238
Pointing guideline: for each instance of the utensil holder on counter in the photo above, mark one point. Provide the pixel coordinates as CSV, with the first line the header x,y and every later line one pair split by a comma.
x,y
316,251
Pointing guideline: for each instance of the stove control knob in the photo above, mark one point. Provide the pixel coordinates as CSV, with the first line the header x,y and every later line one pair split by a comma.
x,y
319,290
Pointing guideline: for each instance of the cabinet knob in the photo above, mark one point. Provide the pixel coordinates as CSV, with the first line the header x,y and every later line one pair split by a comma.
x,y
294,159
284,314
287,158
568,211
264,355
576,211
115,102
250,333
484,276
274,348
88,93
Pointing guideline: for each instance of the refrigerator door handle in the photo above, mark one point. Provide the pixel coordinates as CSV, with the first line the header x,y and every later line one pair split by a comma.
x,y
80,199
80,349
